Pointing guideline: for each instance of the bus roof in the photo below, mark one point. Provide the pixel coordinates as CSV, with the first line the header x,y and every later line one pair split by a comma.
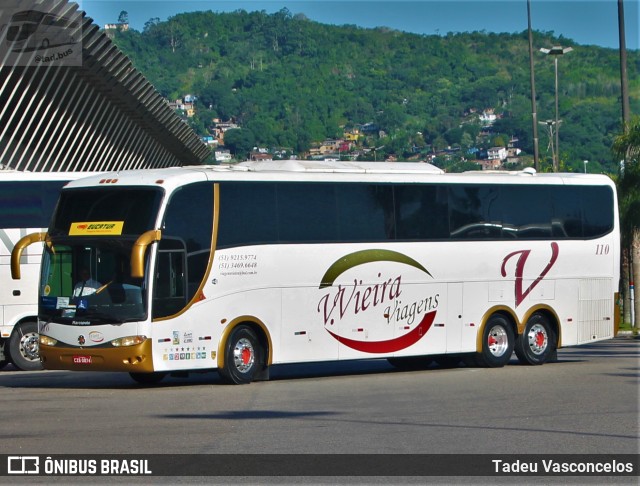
x,y
330,166
328,171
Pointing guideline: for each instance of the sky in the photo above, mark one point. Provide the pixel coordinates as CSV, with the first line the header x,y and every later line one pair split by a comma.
x,y
586,22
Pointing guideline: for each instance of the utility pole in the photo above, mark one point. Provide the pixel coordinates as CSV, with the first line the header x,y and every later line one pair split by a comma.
x,y
624,84
534,114
624,91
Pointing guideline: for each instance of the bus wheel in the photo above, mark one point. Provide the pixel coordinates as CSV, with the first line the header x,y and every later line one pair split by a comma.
x,y
537,342
4,353
148,378
243,356
497,343
24,346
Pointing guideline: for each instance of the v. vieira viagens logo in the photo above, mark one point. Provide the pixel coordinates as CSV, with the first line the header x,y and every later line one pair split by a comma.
x,y
375,301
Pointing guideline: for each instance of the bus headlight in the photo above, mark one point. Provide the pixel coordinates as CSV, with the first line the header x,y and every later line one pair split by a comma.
x,y
128,341
47,341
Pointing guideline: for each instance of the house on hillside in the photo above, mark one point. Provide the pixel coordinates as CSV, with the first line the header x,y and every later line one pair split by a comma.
x,y
497,153
219,127
186,107
490,164
111,29
223,156
260,157
487,118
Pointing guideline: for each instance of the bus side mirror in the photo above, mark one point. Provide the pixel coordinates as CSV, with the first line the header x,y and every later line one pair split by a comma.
x,y
139,249
16,253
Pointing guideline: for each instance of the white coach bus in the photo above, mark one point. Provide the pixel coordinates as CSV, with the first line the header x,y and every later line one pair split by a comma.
x,y
241,267
27,200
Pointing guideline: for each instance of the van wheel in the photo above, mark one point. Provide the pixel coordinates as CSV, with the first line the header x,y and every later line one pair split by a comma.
x,y
537,343
24,346
497,343
243,357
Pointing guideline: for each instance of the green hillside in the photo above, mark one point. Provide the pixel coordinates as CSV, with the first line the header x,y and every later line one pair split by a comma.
x,y
290,82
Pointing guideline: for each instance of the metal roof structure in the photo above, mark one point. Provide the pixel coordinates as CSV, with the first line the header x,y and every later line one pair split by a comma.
x,y
70,100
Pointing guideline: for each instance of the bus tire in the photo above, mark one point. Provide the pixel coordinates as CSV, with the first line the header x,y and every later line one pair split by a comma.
x,y
243,357
537,343
498,341
148,378
24,345
4,353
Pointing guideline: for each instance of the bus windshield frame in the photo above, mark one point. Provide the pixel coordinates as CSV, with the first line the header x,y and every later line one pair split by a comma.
x,y
93,232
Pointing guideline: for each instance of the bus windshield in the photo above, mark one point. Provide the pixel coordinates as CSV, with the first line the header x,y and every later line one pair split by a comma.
x,y
86,268
91,282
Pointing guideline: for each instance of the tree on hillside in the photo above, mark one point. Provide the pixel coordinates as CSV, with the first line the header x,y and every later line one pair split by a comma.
x,y
240,142
292,82
627,147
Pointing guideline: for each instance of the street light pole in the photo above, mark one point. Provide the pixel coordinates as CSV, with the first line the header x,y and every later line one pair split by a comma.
x,y
585,166
556,51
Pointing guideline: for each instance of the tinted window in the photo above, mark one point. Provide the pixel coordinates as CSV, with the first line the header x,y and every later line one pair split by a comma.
x,y
365,212
584,212
597,209
248,214
475,212
307,213
526,211
421,212
189,216
138,208
28,204
567,208
188,221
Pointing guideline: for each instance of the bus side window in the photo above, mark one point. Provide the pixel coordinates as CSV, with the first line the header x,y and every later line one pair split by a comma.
x,y
365,212
474,213
169,295
421,212
247,214
183,252
307,213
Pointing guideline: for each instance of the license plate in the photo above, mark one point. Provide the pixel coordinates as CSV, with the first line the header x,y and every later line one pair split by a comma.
x,y
82,360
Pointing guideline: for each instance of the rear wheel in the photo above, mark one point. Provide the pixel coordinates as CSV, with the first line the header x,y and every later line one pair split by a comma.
x,y
497,343
243,357
538,341
24,346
